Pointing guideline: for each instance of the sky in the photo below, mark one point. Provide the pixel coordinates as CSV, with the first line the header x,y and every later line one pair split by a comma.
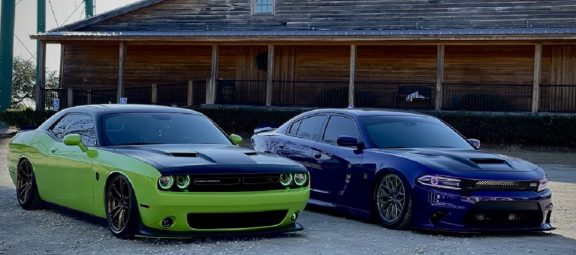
x,y
62,12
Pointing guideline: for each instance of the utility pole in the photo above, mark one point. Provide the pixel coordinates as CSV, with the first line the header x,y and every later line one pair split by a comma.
x,y
6,53
40,28
89,8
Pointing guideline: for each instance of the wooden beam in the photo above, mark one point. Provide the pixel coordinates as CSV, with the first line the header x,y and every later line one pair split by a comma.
x,y
154,96
211,90
270,75
121,60
190,93
537,75
70,97
88,96
352,77
440,52
40,104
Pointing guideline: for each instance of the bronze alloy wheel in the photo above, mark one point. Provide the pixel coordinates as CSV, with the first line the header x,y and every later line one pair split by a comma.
x,y
393,203
120,207
26,189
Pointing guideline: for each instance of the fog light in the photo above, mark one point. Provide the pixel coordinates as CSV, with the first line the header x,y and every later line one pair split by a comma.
x,y
295,216
168,222
480,217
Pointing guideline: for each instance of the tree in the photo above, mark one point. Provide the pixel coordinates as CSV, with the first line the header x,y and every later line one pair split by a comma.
x,y
24,81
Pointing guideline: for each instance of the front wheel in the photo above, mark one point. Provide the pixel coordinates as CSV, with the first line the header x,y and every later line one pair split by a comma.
x,y
121,207
26,189
392,202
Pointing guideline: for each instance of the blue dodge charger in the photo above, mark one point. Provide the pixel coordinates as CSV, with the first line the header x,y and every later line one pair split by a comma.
x,y
410,170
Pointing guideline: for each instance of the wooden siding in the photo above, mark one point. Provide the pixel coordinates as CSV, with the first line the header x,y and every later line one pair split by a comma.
x,y
397,63
236,15
489,64
89,66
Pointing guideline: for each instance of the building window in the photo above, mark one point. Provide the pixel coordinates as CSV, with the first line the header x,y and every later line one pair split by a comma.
x,y
263,6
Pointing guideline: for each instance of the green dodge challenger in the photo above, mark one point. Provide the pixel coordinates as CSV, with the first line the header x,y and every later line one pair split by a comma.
x,y
155,171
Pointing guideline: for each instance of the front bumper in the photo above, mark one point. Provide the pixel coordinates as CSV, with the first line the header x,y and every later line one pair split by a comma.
x,y
485,211
184,207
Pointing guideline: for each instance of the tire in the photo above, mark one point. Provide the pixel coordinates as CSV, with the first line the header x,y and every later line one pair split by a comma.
x,y
392,202
26,188
121,207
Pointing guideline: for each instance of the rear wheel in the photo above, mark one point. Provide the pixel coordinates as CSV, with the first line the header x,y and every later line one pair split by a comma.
x,y
392,202
26,189
121,208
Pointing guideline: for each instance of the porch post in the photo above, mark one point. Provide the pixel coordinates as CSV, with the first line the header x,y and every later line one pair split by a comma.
x,y
121,60
88,95
154,96
40,104
269,75
352,78
70,97
439,77
536,81
211,90
190,93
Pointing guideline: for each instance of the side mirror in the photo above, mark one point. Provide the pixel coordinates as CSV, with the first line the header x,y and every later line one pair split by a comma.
x,y
236,139
474,142
347,141
75,140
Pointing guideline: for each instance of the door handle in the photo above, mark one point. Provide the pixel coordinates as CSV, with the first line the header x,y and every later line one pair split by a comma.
x,y
53,149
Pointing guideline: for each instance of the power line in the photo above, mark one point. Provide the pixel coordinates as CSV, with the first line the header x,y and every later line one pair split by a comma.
x,y
77,7
26,48
53,14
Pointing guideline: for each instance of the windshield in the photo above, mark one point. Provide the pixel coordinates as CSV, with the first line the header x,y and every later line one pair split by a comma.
x,y
411,132
160,128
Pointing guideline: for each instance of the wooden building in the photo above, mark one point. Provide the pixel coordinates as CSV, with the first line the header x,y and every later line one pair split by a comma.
x,y
439,54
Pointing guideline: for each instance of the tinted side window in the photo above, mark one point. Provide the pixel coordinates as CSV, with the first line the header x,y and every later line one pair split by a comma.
x,y
294,127
339,126
310,127
76,124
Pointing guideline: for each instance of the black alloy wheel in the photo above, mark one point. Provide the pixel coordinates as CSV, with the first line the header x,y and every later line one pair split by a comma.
x,y
26,189
392,202
121,211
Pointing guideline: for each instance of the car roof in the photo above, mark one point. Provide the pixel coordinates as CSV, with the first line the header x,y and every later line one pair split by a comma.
x,y
369,112
126,108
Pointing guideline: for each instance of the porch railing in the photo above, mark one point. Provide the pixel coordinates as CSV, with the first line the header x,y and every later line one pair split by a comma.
x,y
487,97
380,94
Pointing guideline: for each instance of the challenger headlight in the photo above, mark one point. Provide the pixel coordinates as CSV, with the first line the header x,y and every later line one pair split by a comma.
x,y
286,179
300,179
542,184
182,181
440,182
166,182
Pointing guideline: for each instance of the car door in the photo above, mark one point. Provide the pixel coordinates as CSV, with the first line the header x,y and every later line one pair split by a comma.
x,y
339,166
300,144
68,173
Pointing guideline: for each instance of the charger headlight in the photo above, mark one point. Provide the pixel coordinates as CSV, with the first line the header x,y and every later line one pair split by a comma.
x,y
440,182
183,181
286,179
542,184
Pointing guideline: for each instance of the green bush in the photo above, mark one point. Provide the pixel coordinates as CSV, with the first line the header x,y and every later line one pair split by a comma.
x,y
525,129
25,119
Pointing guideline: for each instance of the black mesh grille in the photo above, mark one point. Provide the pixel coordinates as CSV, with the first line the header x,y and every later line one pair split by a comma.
x,y
497,214
500,185
225,183
235,220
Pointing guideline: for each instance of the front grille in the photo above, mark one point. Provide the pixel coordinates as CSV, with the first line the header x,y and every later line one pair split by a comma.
x,y
235,220
226,183
487,185
503,214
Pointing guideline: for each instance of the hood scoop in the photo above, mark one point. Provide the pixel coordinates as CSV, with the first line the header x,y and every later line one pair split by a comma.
x,y
185,154
488,161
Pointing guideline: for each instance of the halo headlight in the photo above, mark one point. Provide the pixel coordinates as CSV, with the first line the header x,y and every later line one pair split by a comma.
x,y
182,181
286,179
440,182
300,178
166,182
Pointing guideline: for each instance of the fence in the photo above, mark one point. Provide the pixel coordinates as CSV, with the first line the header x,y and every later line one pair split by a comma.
x,y
487,97
368,94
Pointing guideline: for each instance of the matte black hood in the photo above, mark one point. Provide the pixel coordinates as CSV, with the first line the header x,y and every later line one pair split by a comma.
x,y
207,159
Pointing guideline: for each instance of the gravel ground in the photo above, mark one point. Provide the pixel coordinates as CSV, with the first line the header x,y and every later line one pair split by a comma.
x,y
57,232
